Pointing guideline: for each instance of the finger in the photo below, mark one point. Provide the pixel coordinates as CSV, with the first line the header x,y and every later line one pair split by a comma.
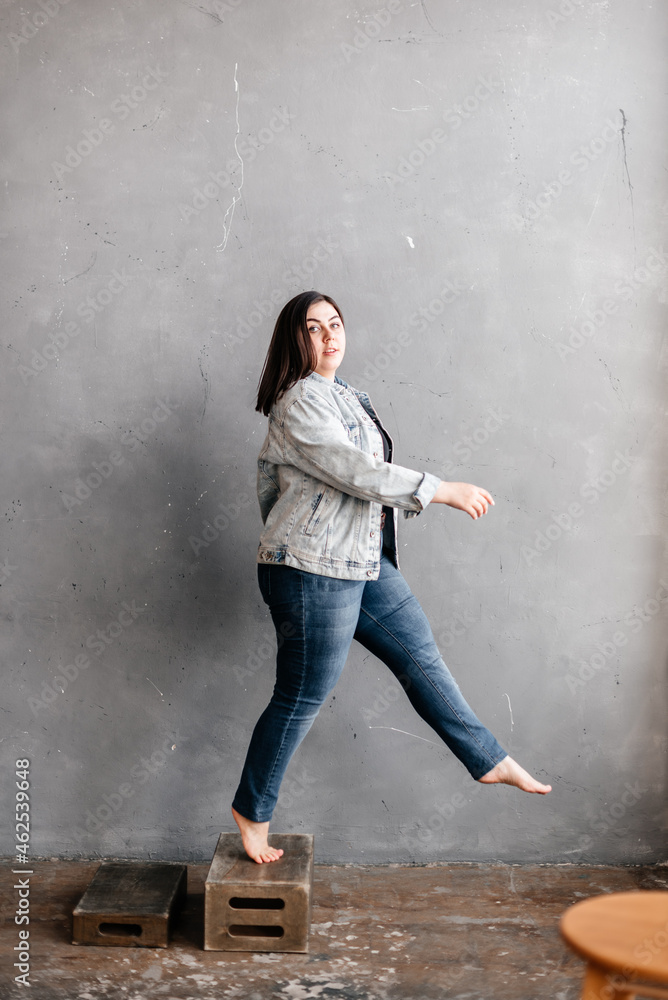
x,y
484,495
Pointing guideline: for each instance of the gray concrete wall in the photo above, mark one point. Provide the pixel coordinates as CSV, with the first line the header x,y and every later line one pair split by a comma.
x,y
482,188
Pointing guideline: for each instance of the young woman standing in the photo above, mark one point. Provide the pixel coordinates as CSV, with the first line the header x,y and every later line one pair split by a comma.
x,y
328,568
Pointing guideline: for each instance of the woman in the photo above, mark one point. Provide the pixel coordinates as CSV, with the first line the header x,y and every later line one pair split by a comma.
x,y
328,567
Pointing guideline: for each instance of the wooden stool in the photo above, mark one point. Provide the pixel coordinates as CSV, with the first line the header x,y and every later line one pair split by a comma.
x,y
251,907
130,904
624,939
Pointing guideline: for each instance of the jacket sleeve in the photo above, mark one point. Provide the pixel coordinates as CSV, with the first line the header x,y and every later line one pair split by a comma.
x,y
316,442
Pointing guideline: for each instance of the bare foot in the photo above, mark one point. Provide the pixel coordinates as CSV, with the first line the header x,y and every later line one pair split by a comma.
x,y
254,837
509,772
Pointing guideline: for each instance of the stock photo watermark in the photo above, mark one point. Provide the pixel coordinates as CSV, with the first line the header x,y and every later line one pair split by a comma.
x,y
111,804
265,309
448,633
385,698
606,652
121,107
608,818
454,118
582,158
563,11
563,523
97,642
22,885
451,290
85,485
468,444
370,30
6,570
294,786
264,654
32,23
88,309
221,7
249,148
421,319
624,289
227,514
623,984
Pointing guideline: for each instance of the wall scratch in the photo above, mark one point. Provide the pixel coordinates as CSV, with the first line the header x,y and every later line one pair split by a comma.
x,y
65,281
392,729
237,197
428,19
510,708
212,14
628,175
207,384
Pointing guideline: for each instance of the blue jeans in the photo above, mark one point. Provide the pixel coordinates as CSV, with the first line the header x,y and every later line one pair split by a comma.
x,y
316,618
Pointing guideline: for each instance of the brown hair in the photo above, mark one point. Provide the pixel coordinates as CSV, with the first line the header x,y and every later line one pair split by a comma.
x,y
291,355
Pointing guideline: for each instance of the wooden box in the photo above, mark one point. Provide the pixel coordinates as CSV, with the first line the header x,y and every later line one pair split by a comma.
x,y
252,907
129,904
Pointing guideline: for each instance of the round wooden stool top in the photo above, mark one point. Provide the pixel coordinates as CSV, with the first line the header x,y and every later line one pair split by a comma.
x,y
626,932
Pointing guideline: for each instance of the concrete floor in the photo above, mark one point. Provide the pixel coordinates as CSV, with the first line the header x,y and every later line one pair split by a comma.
x,y
462,932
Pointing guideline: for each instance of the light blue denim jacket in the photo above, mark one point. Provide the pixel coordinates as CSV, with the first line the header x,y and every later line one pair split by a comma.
x,y
322,482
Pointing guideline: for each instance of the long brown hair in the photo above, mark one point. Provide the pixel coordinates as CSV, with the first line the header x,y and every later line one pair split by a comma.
x,y
291,355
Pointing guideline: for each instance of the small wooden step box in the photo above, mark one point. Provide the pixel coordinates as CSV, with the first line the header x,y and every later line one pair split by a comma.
x,y
130,904
259,907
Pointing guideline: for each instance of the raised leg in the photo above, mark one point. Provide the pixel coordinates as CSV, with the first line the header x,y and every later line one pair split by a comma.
x,y
394,627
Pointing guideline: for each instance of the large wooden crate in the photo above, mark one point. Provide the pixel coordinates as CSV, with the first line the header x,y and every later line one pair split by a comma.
x,y
252,907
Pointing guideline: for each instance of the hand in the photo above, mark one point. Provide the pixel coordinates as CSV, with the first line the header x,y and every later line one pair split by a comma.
x,y
472,500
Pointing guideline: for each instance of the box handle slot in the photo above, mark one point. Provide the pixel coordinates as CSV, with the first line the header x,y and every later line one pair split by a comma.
x,y
247,903
120,930
251,930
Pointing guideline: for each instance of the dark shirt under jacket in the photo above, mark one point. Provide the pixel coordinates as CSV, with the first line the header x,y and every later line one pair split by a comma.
x,y
388,528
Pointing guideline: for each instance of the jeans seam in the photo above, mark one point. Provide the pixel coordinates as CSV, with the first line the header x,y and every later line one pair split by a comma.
x,y
296,701
427,678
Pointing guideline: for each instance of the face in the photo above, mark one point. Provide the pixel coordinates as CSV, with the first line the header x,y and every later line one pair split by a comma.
x,y
327,336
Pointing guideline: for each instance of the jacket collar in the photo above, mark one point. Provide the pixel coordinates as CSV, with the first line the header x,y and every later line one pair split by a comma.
x,y
341,386
328,381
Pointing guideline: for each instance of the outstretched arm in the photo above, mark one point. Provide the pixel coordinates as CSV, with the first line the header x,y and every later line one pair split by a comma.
x,y
316,440
471,499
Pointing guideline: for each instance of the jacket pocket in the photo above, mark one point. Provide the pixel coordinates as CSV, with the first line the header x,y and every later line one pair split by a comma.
x,y
355,433
319,502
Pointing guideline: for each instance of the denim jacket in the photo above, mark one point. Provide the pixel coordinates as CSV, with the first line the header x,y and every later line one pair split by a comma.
x,y
322,482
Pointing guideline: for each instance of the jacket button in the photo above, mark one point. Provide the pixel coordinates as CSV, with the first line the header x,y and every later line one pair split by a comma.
x,y
371,534
369,572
